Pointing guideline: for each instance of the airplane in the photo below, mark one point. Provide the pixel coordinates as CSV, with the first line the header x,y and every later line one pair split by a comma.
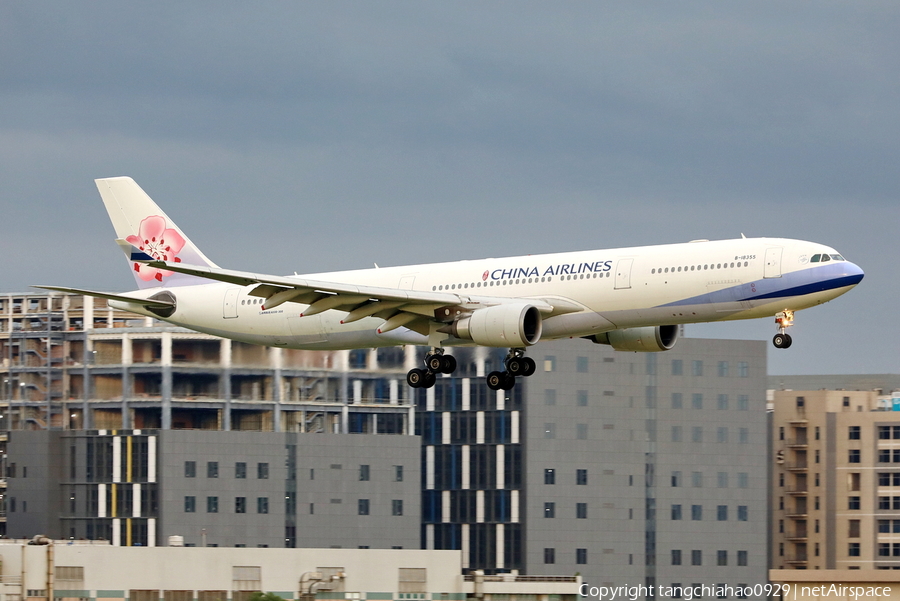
x,y
632,299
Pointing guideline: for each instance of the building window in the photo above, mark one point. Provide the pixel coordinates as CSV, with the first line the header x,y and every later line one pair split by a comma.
x,y
722,480
697,479
676,479
397,507
550,396
722,513
676,557
581,365
697,401
677,367
854,456
364,473
240,504
742,558
853,549
549,510
743,435
742,513
581,431
722,434
743,402
854,433
190,504
721,558
212,504
697,557
549,363
853,503
190,469
722,369
581,556
853,529
240,470
697,433
398,473
743,480
676,512
696,368
581,477
743,369
549,476
581,398
212,469
801,402
676,433
676,400
696,512
363,507
581,511
549,555
722,401
262,471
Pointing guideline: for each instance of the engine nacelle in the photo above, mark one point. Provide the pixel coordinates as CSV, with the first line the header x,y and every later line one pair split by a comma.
x,y
513,325
650,339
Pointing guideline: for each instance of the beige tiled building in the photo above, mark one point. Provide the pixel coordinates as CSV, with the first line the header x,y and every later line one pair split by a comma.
x,y
835,500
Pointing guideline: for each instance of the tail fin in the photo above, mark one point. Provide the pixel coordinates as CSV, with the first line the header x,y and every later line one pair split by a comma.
x,y
141,225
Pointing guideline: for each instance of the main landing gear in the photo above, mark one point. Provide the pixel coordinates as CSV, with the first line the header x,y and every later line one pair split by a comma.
x,y
783,320
436,362
517,364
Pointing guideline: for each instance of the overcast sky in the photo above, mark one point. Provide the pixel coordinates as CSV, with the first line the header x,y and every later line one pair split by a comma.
x,y
308,137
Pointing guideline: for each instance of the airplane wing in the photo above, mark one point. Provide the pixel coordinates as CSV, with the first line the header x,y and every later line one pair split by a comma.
x,y
411,308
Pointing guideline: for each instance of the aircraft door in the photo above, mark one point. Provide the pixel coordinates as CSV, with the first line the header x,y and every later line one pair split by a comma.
x,y
623,274
407,281
229,307
773,262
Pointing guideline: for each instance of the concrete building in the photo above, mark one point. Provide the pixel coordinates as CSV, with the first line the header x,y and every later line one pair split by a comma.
x,y
78,571
234,489
836,481
627,468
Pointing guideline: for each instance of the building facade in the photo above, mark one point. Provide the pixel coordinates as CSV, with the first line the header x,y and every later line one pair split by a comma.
x,y
835,481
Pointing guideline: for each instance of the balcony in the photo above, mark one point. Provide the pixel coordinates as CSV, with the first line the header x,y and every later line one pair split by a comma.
x,y
796,466
799,535
796,559
797,443
797,490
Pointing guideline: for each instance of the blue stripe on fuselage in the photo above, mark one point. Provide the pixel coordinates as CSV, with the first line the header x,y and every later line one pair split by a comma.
x,y
796,283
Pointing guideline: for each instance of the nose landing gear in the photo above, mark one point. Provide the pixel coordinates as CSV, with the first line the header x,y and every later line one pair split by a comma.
x,y
517,364
436,362
783,320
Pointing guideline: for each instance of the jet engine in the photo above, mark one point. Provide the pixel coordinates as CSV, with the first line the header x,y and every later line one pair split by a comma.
x,y
513,325
650,339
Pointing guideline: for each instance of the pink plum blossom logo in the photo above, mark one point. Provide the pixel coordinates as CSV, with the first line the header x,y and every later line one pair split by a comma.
x,y
160,243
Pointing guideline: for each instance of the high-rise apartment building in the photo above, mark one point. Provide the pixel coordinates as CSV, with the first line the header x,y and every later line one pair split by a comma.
x,y
835,501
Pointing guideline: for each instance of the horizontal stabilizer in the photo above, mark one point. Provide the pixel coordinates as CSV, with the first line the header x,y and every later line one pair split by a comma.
x,y
144,302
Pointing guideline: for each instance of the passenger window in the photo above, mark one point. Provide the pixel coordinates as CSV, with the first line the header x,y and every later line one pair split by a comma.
x,y
815,258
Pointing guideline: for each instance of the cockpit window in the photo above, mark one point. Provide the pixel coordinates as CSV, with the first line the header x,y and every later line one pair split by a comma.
x,y
825,258
838,258
815,258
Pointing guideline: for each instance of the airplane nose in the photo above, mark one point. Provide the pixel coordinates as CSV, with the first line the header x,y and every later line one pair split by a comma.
x,y
855,273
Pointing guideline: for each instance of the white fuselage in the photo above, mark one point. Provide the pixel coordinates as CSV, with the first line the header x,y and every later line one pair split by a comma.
x,y
615,289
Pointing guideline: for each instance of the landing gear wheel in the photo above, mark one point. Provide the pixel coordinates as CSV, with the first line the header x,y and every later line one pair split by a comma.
x,y
429,380
495,380
416,377
530,366
782,341
516,366
434,363
508,381
448,364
